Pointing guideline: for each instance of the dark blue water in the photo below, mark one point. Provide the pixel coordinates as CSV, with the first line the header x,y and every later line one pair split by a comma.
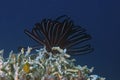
x,y
101,18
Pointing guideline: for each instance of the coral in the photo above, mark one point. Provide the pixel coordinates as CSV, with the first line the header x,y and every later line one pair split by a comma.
x,y
43,65
60,40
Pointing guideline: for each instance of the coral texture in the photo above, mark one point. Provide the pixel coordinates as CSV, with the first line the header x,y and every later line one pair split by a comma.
x,y
43,65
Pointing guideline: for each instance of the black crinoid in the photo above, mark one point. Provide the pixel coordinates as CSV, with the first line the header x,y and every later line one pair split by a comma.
x,y
62,33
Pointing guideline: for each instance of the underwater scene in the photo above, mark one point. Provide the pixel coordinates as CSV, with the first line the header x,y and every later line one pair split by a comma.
x,y
58,39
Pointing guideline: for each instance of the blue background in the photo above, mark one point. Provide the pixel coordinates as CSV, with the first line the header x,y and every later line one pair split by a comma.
x,y
100,18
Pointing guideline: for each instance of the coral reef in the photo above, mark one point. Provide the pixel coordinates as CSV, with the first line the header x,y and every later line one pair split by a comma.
x,y
43,65
59,40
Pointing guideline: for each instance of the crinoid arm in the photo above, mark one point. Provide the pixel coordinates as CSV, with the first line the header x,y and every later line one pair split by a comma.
x,y
62,33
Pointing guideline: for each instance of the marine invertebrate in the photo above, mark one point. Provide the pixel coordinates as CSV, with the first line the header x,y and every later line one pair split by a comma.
x,y
59,40
55,67
60,33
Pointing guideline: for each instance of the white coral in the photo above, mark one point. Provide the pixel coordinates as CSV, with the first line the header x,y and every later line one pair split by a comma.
x,y
40,67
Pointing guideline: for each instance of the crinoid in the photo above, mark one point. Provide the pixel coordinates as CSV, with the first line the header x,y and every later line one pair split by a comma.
x,y
61,32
